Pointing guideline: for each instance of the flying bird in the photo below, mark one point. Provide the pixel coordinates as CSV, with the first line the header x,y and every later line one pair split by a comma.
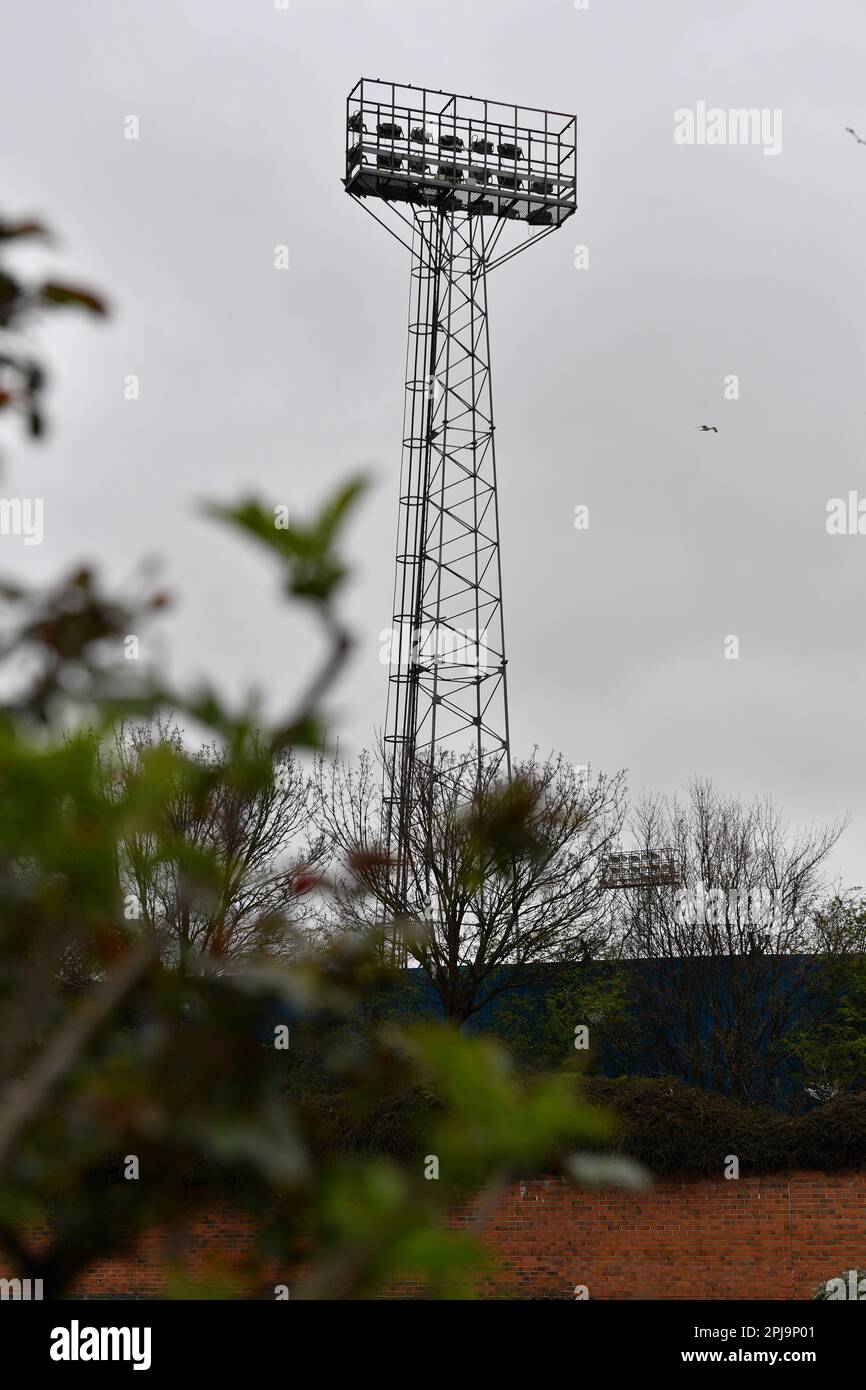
x,y
858,138
709,427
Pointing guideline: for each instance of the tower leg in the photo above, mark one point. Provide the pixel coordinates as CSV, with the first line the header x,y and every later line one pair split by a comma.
x,y
447,698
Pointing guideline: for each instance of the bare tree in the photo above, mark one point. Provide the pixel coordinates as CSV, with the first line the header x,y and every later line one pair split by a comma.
x,y
257,837
527,894
731,945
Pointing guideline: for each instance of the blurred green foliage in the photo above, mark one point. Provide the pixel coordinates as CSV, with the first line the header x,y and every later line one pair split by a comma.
x,y
23,378
539,1027
829,1041
113,1046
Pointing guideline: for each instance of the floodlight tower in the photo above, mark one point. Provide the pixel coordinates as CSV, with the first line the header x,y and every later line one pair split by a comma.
x,y
449,176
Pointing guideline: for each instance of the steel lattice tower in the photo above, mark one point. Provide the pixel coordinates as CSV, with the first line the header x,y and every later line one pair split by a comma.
x,y
450,174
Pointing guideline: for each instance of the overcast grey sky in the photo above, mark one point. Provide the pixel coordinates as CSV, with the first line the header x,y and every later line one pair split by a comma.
x,y
704,261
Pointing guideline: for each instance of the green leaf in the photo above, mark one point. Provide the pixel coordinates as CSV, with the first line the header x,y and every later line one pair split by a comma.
x,y
313,570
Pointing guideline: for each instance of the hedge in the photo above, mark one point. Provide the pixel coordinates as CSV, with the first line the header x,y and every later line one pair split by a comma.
x,y
672,1128
678,1129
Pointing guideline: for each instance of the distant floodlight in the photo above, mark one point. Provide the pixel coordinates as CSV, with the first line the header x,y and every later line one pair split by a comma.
x,y
636,868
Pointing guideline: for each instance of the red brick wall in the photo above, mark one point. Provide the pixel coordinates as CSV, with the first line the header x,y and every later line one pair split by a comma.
x,y
753,1237
759,1237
